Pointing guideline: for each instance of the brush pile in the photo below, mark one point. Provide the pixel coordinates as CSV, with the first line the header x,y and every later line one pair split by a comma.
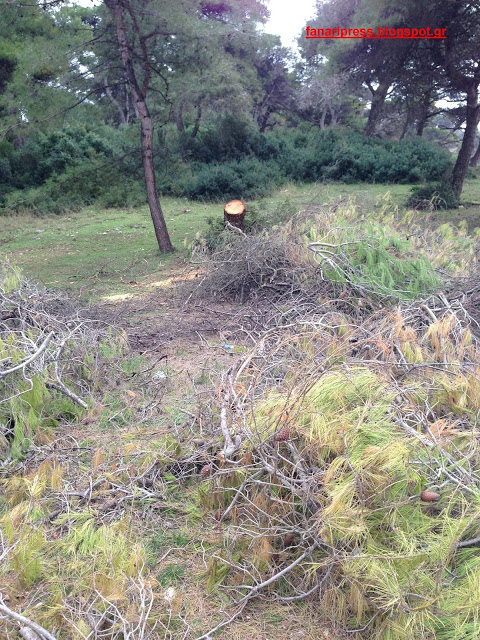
x,y
350,470
327,250
50,360
67,556
87,495
339,458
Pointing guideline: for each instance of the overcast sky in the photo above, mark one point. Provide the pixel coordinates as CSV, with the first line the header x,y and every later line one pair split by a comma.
x,y
288,17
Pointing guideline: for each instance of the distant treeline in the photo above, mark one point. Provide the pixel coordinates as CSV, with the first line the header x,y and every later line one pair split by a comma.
x,y
77,166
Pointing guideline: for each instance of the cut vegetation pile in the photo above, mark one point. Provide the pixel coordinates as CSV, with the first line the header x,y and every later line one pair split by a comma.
x,y
355,475
68,554
51,358
350,473
330,250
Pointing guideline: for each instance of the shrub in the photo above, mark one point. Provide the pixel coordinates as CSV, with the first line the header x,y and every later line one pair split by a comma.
x,y
436,195
227,139
253,163
338,154
49,154
248,178
77,165
96,179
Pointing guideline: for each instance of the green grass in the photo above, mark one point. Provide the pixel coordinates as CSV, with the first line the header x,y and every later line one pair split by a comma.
x,y
106,251
170,575
113,252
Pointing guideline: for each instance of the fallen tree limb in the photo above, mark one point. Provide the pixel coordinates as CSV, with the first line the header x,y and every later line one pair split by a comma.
x,y
25,621
33,357
60,387
229,446
468,543
258,587
28,634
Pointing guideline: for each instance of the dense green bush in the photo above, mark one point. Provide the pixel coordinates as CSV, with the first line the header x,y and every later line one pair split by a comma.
x,y
307,154
253,164
248,178
84,183
228,139
52,153
434,195
337,154
70,168
78,165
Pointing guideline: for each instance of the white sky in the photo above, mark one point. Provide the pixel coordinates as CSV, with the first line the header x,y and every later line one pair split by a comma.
x,y
288,17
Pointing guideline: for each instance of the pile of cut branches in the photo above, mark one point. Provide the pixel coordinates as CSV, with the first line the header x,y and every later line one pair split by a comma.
x,y
246,266
323,252
50,360
72,565
350,472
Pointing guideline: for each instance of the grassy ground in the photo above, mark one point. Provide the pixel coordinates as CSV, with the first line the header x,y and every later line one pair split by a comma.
x,y
113,252
102,251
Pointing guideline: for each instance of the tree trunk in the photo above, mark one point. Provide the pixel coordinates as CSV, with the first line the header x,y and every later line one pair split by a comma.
x,y
196,125
138,94
114,101
179,117
161,232
476,157
264,120
131,103
333,116
234,213
322,119
421,126
126,98
407,124
424,114
422,120
468,143
376,110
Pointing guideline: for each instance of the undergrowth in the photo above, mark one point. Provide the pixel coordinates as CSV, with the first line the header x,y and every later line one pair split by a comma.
x,y
358,482
44,346
76,166
337,461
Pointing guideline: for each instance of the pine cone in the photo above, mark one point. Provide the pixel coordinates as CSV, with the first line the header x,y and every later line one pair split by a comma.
x,y
288,540
283,435
429,496
206,471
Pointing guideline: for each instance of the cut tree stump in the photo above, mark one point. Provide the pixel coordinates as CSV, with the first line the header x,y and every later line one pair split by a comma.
x,y
234,213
